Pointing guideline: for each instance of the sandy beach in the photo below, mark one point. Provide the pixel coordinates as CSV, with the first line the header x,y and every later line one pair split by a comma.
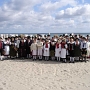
x,y
44,75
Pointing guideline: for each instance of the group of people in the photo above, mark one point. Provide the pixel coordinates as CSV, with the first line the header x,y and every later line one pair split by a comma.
x,y
60,48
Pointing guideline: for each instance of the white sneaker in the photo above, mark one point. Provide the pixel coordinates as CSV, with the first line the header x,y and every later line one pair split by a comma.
x,y
1,58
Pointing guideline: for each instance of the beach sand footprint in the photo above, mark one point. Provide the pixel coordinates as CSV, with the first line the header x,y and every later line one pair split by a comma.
x,y
1,88
4,84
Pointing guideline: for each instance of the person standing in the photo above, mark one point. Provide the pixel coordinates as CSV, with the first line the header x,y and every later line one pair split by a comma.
x,y
13,48
88,48
84,49
77,49
34,50
63,50
28,45
40,49
52,50
71,49
6,48
1,48
17,40
58,50
46,48
22,48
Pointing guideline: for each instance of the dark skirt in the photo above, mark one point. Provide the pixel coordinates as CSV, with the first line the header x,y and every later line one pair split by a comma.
x,y
22,52
1,51
77,52
52,53
13,51
71,53
28,51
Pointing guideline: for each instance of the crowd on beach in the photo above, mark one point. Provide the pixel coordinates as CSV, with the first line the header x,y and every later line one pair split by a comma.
x,y
59,48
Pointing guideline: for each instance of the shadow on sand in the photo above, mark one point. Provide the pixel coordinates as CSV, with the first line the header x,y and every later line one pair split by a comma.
x,y
47,62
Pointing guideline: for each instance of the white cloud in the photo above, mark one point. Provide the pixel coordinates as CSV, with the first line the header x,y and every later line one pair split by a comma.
x,y
74,12
20,16
51,6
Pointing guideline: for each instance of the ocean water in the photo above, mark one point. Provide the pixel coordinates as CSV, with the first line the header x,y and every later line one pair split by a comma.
x,y
51,34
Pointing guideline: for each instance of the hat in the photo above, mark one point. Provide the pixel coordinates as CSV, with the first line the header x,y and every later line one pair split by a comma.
x,y
44,35
28,37
77,39
48,35
66,34
38,38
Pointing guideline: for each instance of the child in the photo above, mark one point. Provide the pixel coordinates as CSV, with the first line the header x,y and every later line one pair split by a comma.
x,y
40,49
52,50
58,50
46,50
71,47
63,50
34,50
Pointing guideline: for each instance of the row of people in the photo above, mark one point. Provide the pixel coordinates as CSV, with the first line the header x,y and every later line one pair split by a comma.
x,y
59,49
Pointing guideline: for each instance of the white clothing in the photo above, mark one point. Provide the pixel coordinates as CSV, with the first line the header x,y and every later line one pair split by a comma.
x,y
88,49
40,48
46,50
58,51
7,50
34,48
63,52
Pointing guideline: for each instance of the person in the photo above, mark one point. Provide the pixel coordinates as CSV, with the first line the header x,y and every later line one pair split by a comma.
x,y
88,48
68,55
1,49
58,50
34,50
17,40
71,49
28,45
63,50
40,48
77,50
13,48
52,50
84,48
46,48
6,48
22,48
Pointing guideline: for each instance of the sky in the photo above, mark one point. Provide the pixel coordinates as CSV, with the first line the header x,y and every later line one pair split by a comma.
x,y
44,16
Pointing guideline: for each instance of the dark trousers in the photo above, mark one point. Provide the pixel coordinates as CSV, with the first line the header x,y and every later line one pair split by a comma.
x,y
1,51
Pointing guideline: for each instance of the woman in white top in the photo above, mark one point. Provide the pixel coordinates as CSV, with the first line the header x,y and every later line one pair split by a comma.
x,y
58,50
34,49
6,47
46,48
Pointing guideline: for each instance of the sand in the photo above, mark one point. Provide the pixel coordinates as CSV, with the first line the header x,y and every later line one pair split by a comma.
x,y
44,75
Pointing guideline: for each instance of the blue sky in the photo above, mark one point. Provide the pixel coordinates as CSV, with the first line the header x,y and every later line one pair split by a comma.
x,y
43,16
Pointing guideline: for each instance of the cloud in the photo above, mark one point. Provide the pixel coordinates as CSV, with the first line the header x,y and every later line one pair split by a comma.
x,y
21,5
51,16
74,12
51,6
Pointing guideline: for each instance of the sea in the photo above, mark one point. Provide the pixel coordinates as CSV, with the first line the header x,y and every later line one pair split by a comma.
x,y
51,34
